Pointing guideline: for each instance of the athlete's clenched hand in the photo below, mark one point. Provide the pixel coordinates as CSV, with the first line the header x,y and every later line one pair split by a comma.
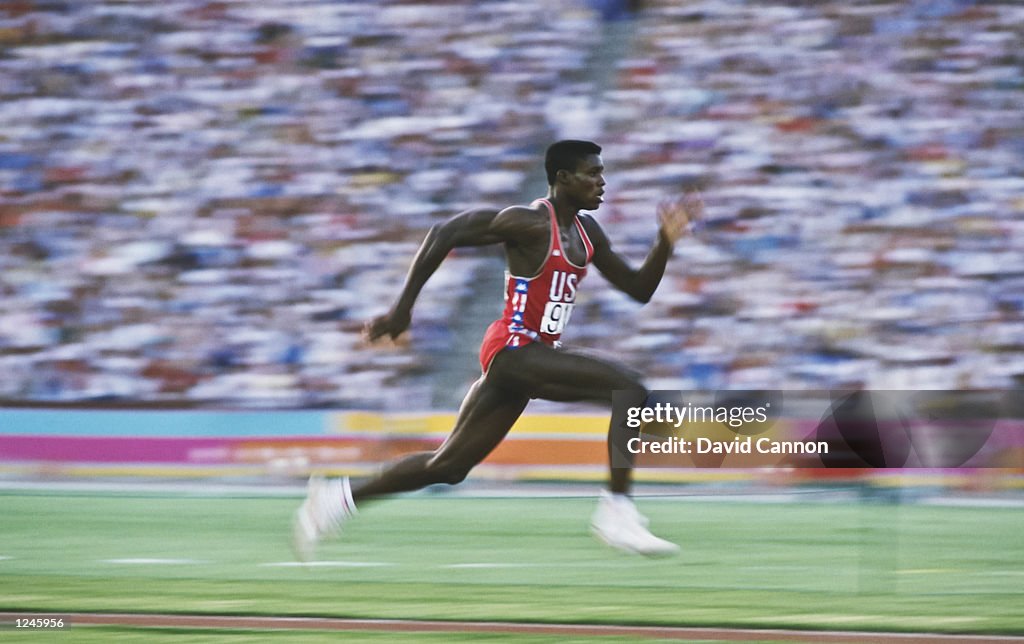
x,y
392,324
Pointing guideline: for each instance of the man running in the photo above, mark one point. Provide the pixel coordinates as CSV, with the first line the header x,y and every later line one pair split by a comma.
x,y
548,246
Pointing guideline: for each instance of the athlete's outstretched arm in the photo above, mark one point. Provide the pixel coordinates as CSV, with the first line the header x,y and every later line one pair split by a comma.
x,y
640,284
475,227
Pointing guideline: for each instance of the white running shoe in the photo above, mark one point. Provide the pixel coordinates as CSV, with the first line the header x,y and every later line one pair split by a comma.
x,y
618,523
327,505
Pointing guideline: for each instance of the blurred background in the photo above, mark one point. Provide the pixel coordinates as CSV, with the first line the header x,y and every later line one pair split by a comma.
x,y
201,202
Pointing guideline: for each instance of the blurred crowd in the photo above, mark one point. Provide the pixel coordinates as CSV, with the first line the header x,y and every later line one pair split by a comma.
x,y
863,165
202,201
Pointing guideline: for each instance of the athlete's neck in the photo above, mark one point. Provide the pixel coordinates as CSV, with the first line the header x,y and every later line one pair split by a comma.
x,y
565,212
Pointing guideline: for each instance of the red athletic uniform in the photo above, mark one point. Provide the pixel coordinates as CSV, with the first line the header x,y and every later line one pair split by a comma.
x,y
538,308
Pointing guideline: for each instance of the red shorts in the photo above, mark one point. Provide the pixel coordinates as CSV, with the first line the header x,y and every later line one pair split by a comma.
x,y
497,338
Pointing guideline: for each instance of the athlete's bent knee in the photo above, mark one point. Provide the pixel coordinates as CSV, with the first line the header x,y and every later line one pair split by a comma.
x,y
637,388
456,476
447,471
633,387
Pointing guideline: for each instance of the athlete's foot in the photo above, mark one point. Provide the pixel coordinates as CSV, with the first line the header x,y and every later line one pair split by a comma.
x,y
618,523
327,505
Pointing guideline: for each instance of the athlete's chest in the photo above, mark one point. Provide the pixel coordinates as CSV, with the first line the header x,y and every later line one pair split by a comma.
x,y
543,249
572,245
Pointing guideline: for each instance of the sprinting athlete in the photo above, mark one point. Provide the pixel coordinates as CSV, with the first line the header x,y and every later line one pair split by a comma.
x,y
548,246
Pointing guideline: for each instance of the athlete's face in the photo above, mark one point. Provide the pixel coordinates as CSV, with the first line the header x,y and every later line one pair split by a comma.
x,y
588,182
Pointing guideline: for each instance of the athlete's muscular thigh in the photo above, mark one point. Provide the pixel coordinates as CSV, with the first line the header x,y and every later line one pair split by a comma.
x,y
561,375
485,417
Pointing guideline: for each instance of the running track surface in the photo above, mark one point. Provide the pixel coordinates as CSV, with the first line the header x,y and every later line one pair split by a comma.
x,y
157,620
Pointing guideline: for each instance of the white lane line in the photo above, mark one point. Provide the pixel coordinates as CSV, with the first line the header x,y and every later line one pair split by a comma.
x,y
378,564
492,565
143,561
3,558
326,564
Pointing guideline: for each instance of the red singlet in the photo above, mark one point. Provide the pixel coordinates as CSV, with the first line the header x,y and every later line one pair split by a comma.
x,y
538,307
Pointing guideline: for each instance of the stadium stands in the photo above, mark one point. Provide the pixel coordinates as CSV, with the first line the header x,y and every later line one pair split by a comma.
x,y
201,201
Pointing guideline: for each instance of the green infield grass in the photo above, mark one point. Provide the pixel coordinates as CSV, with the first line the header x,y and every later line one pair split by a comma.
x,y
812,565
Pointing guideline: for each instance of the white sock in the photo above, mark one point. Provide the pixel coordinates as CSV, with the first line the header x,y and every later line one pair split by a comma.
x,y
347,499
619,498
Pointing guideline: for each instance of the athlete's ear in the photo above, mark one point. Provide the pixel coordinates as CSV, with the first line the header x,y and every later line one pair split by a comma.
x,y
562,176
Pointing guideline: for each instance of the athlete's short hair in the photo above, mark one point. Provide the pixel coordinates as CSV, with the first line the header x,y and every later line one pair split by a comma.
x,y
566,155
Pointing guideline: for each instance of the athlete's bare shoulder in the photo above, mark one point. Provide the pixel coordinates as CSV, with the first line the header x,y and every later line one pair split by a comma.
x,y
594,230
523,223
